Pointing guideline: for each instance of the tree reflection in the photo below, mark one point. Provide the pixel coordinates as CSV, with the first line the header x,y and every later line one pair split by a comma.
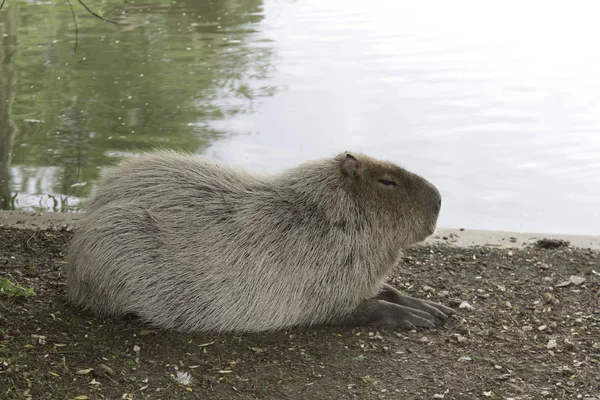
x,y
8,81
157,78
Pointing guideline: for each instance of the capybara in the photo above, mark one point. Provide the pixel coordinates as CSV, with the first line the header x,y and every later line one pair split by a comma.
x,y
190,244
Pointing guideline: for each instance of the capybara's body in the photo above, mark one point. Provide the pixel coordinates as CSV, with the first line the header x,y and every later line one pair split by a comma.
x,y
189,244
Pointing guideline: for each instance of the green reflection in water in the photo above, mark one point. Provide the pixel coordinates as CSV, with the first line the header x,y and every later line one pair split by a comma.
x,y
156,78
8,30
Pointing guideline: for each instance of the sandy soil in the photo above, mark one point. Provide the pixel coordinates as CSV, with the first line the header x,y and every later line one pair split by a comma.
x,y
533,333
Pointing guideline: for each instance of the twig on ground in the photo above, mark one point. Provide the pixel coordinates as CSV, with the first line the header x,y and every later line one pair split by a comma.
x,y
28,245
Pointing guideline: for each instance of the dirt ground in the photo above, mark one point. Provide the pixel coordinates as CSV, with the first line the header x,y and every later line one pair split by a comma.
x,y
530,329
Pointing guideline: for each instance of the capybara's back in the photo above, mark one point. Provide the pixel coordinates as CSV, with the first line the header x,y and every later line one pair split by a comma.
x,y
189,244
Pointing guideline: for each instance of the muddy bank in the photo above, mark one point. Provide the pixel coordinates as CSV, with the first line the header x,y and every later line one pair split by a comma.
x,y
533,333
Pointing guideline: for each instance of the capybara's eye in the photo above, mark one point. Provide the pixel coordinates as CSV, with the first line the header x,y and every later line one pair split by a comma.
x,y
388,182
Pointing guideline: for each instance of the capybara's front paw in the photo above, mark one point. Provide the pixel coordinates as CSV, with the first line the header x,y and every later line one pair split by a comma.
x,y
438,313
380,312
411,318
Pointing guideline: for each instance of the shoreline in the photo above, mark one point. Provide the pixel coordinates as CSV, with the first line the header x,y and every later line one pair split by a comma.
x,y
454,236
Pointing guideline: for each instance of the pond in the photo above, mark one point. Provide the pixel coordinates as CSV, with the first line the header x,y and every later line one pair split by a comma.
x,y
498,104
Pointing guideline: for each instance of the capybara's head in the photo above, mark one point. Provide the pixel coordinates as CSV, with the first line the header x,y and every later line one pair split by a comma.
x,y
400,201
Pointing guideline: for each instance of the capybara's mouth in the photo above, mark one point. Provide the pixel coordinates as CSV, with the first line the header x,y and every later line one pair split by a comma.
x,y
431,229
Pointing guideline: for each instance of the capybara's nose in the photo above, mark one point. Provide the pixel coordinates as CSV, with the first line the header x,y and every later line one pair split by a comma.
x,y
435,200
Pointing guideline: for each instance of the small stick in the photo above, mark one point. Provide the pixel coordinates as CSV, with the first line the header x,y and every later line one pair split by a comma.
x,y
28,245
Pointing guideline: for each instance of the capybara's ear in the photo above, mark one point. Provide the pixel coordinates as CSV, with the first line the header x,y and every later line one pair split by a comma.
x,y
352,166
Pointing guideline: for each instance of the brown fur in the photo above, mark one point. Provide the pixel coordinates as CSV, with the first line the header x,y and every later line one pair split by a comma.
x,y
189,244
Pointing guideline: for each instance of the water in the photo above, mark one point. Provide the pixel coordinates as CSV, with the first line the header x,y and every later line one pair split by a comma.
x,y
497,104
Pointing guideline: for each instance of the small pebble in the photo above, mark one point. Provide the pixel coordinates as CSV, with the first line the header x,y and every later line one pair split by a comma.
x,y
550,299
454,302
459,338
576,280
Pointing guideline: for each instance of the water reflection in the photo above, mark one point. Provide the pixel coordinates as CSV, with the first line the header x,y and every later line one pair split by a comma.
x,y
8,49
448,91
504,121
159,77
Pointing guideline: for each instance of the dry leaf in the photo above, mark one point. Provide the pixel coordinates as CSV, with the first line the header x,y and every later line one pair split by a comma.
x,y
84,371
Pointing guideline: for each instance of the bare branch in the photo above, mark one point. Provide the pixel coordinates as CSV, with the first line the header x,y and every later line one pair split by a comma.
x,y
75,19
75,22
93,13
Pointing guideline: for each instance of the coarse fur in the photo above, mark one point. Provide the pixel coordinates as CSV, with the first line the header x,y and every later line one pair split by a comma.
x,y
190,244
